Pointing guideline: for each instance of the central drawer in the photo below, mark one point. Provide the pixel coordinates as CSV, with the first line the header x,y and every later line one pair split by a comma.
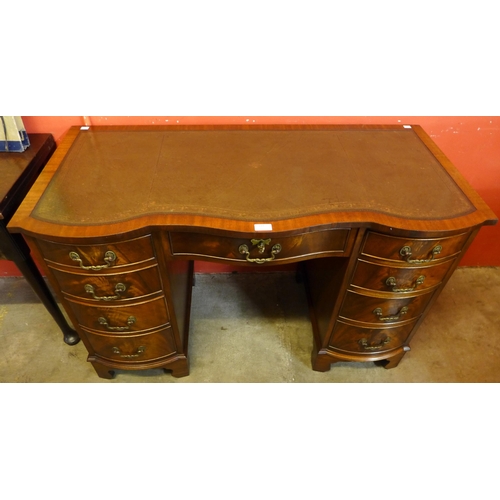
x,y
263,247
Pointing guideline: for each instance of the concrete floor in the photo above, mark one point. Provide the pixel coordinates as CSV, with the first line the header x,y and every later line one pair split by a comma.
x,y
255,328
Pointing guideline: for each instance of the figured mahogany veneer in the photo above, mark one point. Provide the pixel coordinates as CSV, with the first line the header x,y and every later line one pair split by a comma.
x,y
389,247
367,341
296,247
133,349
111,287
376,217
127,253
367,309
382,277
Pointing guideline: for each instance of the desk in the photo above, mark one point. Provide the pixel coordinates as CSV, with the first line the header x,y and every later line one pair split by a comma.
x,y
376,218
18,171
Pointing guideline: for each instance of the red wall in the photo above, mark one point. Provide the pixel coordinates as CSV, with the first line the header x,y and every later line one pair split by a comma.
x,y
471,143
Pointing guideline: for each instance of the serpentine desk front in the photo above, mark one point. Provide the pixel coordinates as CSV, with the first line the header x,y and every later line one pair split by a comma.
x,y
376,217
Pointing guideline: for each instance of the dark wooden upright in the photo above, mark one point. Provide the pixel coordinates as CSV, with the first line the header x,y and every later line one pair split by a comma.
x,y
376,216
18,172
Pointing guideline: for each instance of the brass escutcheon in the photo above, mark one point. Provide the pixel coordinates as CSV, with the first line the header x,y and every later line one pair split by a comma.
x,y
261,245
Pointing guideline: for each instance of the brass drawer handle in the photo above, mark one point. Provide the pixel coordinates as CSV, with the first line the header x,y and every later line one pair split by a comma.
x,y
364,344
405,252
119,288
109,258
140,350
261,245
378,313
392,282
130,321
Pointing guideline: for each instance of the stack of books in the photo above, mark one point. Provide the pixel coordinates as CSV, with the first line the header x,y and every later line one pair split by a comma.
x,y
13,136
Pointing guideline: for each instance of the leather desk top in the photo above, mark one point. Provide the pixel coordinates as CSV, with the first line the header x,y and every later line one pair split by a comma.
x,y
114,174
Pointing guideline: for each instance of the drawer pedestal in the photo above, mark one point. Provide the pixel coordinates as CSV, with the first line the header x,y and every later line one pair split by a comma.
x,y
389,288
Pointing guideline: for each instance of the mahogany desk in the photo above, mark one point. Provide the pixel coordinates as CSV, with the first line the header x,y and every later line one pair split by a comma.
x,y
376,216
18,172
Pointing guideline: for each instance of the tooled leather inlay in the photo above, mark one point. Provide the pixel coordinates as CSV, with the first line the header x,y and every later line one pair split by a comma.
x,y
262,175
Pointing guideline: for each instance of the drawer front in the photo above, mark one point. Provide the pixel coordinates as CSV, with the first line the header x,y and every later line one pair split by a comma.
x,y
122,319
110,287
399,279
261,249
381,311
412,251
368,340
133,349
100,257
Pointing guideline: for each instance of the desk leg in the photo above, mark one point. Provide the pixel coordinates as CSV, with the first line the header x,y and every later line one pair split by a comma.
x,y
321,362
29,270
179,368
394,361
103,371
